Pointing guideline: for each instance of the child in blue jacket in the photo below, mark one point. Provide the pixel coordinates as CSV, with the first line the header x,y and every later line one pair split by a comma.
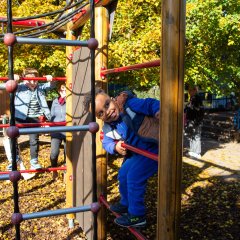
x,y
122,122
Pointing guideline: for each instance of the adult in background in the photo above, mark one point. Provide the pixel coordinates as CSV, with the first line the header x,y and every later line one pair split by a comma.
x,y
194,113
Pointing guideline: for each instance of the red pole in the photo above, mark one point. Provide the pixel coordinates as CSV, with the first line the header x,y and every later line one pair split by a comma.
x,y
38,170
154,63
36,78
27,23
135,232
145,153
22,125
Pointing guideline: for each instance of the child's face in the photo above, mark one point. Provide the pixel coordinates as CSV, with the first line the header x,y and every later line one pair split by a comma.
x,y
106,109
62,91
31,83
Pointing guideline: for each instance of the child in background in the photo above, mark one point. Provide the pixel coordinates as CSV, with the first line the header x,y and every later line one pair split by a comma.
x,y
31,107
58,113
122,126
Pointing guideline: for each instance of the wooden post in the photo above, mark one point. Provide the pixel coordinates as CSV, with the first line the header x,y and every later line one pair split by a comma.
x,y
171,122
69,175
101,34
4,107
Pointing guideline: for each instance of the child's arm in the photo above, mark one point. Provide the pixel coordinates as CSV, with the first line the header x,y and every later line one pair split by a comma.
x,y
49,85
148,106
121,150
53,111
112,146
109,144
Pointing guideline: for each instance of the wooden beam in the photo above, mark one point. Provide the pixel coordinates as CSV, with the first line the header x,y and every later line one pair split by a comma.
x,y
81,18
101,33
70,178
171,121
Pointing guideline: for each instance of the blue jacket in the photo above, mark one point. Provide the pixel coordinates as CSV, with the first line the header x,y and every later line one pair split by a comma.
x,y
121,129
23,96
58,113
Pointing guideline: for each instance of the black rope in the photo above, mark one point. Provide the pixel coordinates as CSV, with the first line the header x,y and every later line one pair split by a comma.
x,y
94,165
55,25
13,141
68,6
60,23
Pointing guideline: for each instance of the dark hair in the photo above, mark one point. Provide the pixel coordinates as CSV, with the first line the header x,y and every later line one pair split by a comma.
x,y
59,84
88,98
27,71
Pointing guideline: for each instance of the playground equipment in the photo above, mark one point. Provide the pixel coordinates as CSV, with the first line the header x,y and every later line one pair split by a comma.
x,y
35,78
38,170
170,124
44,124
104,71
141,151
13,132
134,231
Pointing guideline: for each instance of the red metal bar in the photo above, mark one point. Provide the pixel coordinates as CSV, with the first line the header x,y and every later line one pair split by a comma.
x,y
145,153
29,23
134,231
38,170
26,23
22,125
36,78
154,63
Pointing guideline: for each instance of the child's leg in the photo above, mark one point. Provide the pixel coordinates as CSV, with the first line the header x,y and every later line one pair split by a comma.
x,y
34,145
7,148
55,148
122,178
137,177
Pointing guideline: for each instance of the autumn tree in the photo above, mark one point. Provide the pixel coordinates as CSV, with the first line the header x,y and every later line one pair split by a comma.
x,y
213,45
136,39
47,59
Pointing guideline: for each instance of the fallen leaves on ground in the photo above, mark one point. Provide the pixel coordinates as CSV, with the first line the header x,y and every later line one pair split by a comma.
x,y
210,204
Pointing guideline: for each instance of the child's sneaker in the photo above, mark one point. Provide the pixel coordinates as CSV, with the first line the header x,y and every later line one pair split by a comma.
x,y
131,221
19,163
35,165
195,155
119,208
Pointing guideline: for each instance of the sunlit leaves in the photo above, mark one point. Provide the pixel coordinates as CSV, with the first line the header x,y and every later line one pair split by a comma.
x,y
47,59
212,50
136,39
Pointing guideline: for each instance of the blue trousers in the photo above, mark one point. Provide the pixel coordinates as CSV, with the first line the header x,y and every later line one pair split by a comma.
x,y
133,176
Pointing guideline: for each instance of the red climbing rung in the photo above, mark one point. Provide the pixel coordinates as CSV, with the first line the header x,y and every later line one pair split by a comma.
x,y
36,78
145,153
38,170
154,63
135,232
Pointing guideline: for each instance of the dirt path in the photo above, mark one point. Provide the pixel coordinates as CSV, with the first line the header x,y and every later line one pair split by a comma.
x,y
218,159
